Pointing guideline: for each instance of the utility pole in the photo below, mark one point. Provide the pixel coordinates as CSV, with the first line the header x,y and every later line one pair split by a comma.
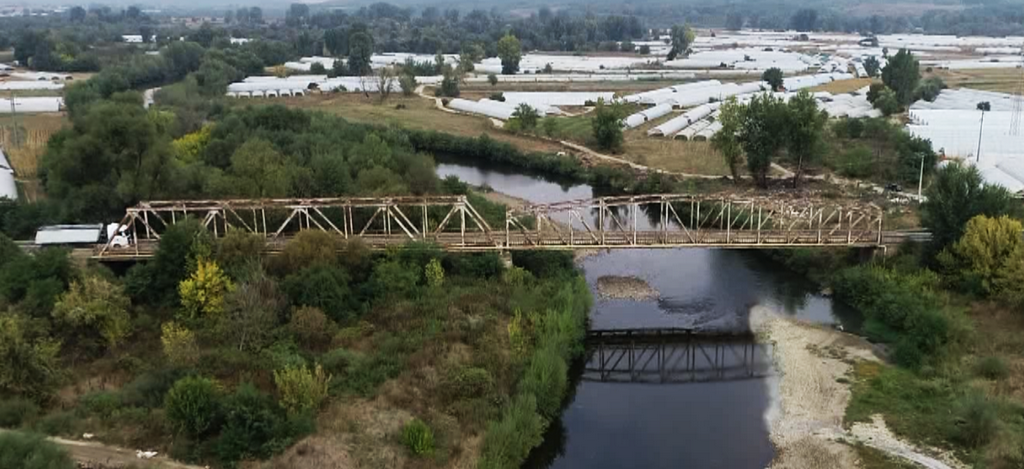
x,y
920,179
982,106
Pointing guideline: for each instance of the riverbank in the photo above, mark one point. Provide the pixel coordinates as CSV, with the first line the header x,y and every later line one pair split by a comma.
x,y
810,395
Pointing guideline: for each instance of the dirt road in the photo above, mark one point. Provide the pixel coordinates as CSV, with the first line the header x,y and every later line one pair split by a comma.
x,y
98,455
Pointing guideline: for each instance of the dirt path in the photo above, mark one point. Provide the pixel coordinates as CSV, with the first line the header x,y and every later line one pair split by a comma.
x,y
95,454
809,399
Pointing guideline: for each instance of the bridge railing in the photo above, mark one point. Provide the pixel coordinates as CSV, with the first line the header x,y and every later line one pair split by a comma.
x,y
664,220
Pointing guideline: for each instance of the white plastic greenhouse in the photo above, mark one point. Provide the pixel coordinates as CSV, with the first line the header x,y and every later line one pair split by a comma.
x,y
495,109
32,105
8,188
688,118
29,85
639,118
558,98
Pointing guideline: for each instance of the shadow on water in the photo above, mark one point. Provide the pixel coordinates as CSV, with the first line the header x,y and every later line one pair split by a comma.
x,y
646,413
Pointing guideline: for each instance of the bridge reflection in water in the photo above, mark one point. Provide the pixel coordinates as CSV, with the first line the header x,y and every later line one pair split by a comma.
x,y
672,355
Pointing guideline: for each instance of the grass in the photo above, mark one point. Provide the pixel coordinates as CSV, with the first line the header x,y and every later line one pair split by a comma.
x,y
418,113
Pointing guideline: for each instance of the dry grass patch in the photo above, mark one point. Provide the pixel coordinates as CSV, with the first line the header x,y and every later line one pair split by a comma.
x,y
24,148
843,86
673,155
1003,80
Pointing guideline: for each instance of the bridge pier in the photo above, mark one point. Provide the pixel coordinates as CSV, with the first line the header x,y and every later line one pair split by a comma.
x,y
506,258
872,253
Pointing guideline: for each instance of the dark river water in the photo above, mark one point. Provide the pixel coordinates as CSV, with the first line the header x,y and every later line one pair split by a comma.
x,y
657,423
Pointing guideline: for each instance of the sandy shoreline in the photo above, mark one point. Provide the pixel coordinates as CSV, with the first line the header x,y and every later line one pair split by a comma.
x,y
805,420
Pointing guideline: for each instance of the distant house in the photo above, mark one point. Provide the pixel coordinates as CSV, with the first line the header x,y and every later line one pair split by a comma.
x,y
135,38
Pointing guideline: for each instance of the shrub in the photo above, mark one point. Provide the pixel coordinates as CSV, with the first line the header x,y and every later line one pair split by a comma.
x,y
26,451
148,389
310,247
97,305
15,411
193,405
492,79
468,382
418,437
310,325
408,84
179,344
993,368
499,96
856,162
203,292
323,287
977,421
339,360
508,441
254,426
301,389
100,403
57,423
434,273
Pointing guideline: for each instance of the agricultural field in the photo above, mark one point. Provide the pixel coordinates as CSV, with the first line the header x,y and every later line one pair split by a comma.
x,y
1005,80
24,147
843,86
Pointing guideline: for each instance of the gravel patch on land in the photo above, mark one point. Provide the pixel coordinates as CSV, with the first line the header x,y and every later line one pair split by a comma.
x,y
625,288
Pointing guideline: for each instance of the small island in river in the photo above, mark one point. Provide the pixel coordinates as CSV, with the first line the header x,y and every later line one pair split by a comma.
x,y
625,288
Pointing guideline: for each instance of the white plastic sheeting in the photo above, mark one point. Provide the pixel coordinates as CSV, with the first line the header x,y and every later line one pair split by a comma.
x,y
688,118
746,58
32,105
690,131
967,99
639,118
29,85
661,95
40,76
533,63
967,64
632,75
707,132
8,188
299,85
495,109
557,98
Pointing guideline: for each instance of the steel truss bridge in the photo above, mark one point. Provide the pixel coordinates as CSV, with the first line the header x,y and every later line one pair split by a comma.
x,y
650,221
672,356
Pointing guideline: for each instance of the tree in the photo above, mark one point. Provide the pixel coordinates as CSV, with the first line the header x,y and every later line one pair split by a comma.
x,y
258,170
526,116
874,90
256,15
384,79
360,49
645,50
957,194
681,38
762,133
871,66
734,21
901,74
408,84
317,68
97,305
725,140
449,83
774,78
179,344
492,79
983,257
805,129
929,89
193,405
29,365
302,390
76,14
252,311
321,286
511,52
887,102
310,326
202,294
607,126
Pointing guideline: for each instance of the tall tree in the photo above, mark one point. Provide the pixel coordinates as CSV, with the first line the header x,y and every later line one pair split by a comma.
x,y
762,134
511,52
957,194
805,19
774,78
360,49
901,75
804,131
871,66
607,126
682,37
734,21
259,170
725,140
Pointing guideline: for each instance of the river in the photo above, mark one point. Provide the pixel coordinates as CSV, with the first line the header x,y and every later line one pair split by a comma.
x,y
656,424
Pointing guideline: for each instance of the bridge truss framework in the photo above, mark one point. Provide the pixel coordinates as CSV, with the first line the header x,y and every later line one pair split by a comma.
x,y
650,221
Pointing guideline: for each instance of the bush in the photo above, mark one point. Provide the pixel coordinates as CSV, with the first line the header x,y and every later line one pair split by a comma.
x,y
100,403
15,411
302,390
492,79
856,162
26,451
977,421
499,96
323,287
148,389
57,423
546,380
418,437
408,84
468,382
508,441
311,326
993,368
254,426
193,405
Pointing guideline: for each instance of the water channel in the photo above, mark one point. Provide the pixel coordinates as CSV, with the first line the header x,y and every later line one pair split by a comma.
x,y
706,424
